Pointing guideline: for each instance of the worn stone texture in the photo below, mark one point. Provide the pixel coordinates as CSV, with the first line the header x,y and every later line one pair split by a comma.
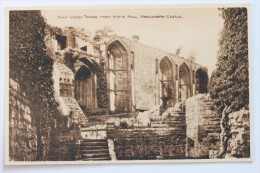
x,y
239,144
163,139
22,131
68,105
144,62
203,127
64,144
134,75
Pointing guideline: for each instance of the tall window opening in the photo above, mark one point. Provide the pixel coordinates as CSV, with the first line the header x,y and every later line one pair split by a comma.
x,y
61,42
167,82
119,89
201,81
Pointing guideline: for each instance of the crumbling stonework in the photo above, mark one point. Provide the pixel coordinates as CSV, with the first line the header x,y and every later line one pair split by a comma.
x,y
64,93
239,144
132,84
203,127
176,73
64,145
161,139
22,131
132,87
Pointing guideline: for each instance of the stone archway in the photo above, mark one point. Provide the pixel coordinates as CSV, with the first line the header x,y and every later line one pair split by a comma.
x,y
118,75
166,82
201,81
85,94
184,82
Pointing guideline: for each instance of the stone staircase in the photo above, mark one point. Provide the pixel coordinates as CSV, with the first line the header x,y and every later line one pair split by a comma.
x,y
77,113
94,150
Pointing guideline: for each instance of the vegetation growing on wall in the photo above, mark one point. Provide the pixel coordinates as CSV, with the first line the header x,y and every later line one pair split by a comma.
x,y
102,93
32,68
102,35
229,84
70,57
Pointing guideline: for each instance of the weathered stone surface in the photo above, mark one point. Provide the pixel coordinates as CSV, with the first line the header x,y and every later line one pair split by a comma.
x,y
239,144
162,139
75,112
64,144
145,78
203,127
22,131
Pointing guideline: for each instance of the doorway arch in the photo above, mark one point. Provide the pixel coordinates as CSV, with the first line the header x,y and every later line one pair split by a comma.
x,y
85,88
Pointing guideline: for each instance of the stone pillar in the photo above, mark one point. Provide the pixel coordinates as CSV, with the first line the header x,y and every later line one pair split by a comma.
x,y
133,80
177,91
95,91
193,90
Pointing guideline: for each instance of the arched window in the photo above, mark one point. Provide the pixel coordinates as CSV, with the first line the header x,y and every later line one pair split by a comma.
x,y
167,82
84,88
184,82
119,89
201,81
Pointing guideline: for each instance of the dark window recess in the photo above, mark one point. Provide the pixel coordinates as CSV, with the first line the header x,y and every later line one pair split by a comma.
x,y
61,42
65,90
84,48
156,66
190,142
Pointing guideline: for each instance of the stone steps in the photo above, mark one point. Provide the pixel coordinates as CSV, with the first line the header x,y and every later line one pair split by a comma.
x,y
95,155
94,143
77,112
89,148
96,159
94,150
91,151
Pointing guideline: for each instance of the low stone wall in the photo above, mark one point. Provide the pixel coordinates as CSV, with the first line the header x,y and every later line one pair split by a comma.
x,y
203,127
22,132
239,144
163,139
65,145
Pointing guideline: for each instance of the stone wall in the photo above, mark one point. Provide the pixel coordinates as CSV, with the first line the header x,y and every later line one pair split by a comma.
x,y
162,139
146,77
22,132
203,127
146,89
65,144
239,144
64,94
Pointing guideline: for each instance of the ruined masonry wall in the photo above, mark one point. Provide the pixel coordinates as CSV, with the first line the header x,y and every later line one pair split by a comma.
x,y
63,76
161,140
22,132
203,127
146,81
239,144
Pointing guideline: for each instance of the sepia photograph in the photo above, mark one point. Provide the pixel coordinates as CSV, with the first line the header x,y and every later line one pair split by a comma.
x,y
128,84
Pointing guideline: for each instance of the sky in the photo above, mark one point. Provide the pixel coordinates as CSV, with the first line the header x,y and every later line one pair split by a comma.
x,y
193,29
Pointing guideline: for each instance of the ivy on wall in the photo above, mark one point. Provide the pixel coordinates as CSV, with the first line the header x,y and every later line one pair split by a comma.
x,y
32,68
229,83
70,57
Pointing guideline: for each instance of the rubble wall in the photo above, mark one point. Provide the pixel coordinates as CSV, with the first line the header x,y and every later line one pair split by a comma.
x,y
203,127
162,139
22,132
239,144
64,145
